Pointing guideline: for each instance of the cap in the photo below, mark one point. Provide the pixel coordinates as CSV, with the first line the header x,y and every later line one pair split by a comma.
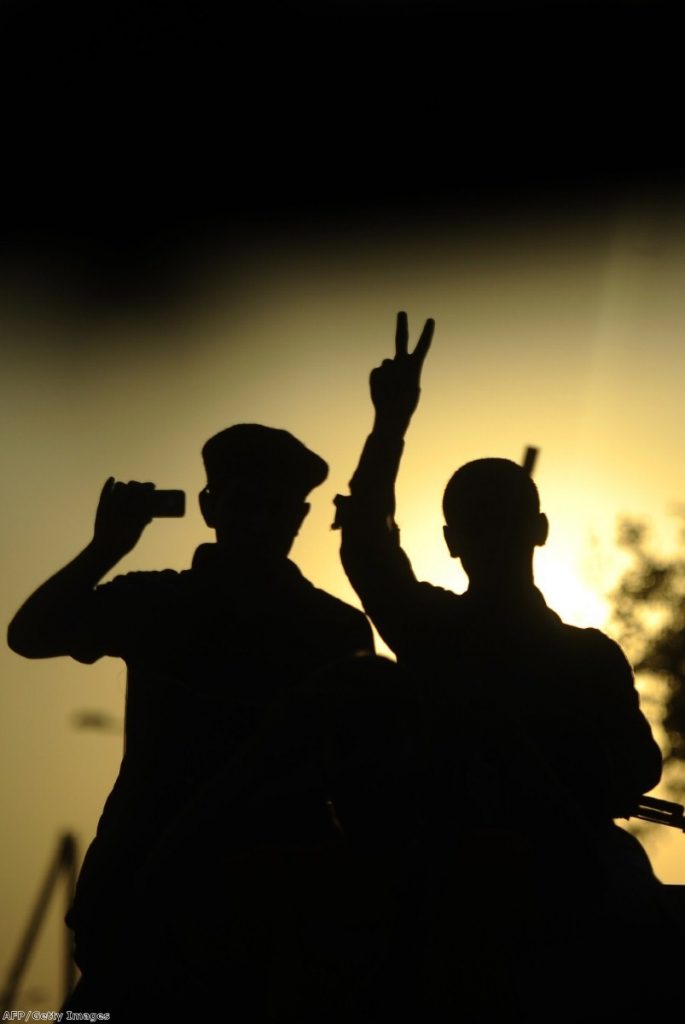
x,y
250,451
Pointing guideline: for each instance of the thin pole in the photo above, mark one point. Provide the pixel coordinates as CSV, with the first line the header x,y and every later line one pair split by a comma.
x,y
529,460
70,867
64,859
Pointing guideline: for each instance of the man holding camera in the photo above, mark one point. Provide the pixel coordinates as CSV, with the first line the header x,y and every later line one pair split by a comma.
x,y
207,649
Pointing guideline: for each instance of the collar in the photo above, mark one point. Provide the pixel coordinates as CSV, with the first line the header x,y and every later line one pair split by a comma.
x,y
209,560
525,605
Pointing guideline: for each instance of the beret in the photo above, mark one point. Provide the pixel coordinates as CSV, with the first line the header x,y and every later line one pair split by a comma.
x,y
262,454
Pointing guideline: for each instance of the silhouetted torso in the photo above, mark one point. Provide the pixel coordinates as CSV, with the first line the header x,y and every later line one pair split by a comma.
x,y
207,651
506,659
533,742
569,692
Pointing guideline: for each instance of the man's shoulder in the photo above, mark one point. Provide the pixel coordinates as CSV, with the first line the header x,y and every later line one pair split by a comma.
x,y
594,644
329,604
332,612
433,592
145,579
438,600
140,586
119,612
590,636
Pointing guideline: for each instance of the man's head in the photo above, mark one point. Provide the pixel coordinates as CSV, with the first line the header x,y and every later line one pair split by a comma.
x,y
493,519
257,481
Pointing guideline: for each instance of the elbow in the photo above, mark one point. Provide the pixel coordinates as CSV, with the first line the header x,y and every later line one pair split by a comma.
x,y
649,774
18,640
653,778
23,640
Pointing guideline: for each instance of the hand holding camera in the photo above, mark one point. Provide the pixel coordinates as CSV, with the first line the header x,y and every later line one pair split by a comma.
x,y
125,509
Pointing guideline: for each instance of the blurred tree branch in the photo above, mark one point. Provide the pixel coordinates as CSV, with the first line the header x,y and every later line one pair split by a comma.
x,y
649,621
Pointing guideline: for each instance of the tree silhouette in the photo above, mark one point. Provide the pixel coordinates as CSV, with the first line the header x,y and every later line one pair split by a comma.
x,y
649,621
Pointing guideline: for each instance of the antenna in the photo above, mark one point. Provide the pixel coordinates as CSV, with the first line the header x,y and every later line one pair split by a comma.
x,y
529,460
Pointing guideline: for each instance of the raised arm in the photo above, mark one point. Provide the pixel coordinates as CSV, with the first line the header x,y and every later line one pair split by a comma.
x,y
54,620
375,564
395,389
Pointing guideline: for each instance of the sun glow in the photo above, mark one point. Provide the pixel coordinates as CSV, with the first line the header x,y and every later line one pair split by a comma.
x,y
566,592
558,572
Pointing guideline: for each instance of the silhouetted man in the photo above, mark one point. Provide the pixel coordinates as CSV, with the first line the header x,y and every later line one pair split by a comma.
x,y
207,649
536,726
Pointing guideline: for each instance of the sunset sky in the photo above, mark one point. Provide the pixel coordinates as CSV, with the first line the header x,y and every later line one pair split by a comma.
x,y
565,334
137,318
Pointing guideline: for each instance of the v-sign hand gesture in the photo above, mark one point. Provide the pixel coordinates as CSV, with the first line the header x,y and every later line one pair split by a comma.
x,y
396,383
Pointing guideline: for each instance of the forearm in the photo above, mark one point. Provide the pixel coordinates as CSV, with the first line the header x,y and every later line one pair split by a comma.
x,y
372,486
375,564
45,624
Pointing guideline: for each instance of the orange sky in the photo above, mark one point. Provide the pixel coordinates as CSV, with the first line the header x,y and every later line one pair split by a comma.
x,y
562,333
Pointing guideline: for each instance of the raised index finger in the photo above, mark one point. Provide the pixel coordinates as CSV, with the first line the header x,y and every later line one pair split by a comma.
x,y
401,335
424,342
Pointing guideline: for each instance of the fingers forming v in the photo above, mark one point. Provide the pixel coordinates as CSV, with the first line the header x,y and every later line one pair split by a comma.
x,y
401,335
402,340
424,342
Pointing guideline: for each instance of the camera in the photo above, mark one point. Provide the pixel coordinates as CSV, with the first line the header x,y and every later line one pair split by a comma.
x,y
168,504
